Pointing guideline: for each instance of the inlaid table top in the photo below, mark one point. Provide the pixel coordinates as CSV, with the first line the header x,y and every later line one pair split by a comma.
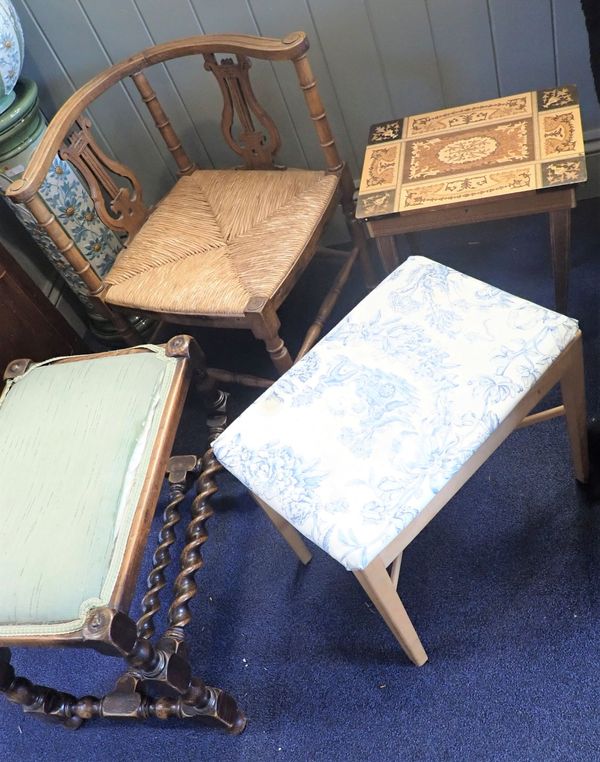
x,y
503,146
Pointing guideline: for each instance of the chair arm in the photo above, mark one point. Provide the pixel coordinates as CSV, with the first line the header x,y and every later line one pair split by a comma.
x,y
269,48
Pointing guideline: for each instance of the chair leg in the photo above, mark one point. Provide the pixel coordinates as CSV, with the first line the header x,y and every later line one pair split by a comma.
x,y
265,324
185,697
573,393
394,570
278,353
378,586
287,531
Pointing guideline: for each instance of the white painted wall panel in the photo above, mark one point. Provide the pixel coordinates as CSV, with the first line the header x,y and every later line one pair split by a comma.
x,y
277,20
404,39
237,16
373,59
523,37
572,59
82,54
464,48
346,36
119,41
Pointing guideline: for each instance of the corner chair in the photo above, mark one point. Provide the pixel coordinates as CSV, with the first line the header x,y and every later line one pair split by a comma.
x,y
224,247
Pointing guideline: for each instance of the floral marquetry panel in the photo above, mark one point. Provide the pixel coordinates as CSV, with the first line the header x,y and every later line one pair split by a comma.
x,y
507,145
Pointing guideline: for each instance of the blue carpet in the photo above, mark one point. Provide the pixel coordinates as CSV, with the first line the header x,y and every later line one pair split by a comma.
x,y
503,587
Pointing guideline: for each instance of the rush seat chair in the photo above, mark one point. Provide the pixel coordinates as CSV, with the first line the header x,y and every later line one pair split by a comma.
x,y
224,247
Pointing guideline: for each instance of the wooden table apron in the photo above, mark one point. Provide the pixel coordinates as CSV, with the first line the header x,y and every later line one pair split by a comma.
x,y
556,202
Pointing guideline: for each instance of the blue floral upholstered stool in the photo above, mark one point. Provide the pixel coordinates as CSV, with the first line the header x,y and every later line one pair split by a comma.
x,y
366,438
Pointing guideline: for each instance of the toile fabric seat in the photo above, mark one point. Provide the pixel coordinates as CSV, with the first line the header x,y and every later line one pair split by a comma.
x,y
84,447
219,239
362,442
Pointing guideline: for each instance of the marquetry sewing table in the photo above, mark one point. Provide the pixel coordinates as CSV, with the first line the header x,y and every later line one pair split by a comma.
x,y
508,157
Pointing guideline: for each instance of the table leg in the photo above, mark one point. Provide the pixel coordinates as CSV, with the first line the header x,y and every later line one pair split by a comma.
x,y
560,242
388,254
413,244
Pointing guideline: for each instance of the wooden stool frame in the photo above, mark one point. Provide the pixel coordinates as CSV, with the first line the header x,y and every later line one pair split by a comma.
x,y
157,681
379,583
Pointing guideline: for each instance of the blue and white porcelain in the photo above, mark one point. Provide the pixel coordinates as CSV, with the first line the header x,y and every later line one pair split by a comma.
x,y
354,441
69,200
62,190
21,129
12,48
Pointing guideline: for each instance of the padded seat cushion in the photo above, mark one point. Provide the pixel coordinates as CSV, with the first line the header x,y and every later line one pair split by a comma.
x,y
219,238
353,442
75,443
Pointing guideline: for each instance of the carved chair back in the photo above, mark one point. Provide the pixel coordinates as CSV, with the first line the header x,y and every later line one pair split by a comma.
x,y
116,192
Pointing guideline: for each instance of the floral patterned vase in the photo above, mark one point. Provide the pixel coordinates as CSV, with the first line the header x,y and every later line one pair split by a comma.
x,y
21,129
11,53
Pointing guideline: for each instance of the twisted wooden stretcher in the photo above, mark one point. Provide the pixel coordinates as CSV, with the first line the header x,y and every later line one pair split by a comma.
x,y
99,430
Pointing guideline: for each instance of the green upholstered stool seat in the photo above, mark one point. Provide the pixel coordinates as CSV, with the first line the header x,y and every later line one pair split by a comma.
x,y
76,440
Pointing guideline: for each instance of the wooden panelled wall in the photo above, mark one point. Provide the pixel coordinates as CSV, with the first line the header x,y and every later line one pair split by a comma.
x,y
374,59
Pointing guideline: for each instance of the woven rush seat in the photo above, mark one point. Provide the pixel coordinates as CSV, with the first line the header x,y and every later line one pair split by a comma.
x,y
220,238
75,446
365,438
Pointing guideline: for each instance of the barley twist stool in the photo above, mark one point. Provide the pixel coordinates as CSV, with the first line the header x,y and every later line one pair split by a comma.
x,y
84,445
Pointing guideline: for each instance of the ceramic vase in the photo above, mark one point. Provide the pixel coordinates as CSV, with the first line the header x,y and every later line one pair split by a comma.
x,y
11,53
21,128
